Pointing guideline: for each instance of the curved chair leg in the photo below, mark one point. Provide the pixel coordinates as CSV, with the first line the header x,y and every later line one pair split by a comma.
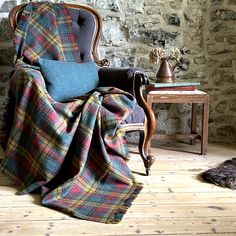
x,y
140,79
143,150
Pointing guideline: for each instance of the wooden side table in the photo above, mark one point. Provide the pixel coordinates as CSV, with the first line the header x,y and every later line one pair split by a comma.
x,y
194,97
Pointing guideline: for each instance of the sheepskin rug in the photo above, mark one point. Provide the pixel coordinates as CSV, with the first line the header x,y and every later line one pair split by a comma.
x,y
224,175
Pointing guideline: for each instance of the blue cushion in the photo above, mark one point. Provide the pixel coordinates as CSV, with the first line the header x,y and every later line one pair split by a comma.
x,y
65,80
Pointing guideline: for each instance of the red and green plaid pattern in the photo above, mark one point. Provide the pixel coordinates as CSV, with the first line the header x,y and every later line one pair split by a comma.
x,y
45,30
72,151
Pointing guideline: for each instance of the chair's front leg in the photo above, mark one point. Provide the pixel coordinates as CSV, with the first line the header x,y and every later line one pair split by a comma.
x,y
140,80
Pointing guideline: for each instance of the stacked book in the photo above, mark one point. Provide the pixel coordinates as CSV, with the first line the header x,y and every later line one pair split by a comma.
x,y
176,86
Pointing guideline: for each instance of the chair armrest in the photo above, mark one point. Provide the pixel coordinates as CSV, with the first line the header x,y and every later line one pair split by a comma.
x,y
119,77
132,80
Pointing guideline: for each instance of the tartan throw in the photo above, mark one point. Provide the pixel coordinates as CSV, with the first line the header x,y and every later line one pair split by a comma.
x,y
73,152
46,31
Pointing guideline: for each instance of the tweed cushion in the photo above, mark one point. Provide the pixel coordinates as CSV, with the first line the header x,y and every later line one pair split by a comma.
x,y
65,80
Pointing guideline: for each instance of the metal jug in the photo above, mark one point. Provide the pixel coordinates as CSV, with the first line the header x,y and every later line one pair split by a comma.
x,y
165,73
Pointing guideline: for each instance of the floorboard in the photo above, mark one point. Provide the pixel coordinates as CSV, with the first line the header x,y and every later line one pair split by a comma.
x,y
174,201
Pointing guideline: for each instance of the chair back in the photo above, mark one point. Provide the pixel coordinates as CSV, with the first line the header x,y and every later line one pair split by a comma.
x,y
86,23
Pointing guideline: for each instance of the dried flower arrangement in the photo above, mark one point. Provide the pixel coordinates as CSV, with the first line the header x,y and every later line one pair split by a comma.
x,y
165,73
156,54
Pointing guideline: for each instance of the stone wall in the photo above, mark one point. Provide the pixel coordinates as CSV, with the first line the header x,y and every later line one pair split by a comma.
x,y
205,31
6,62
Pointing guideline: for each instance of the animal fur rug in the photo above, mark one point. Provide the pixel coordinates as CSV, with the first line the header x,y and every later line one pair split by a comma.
x,y
224,175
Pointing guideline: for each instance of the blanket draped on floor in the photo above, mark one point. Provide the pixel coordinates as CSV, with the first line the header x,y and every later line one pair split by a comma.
x,y
72,152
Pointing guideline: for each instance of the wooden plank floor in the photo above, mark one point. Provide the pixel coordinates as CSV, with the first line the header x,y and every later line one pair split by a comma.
x,y
174,201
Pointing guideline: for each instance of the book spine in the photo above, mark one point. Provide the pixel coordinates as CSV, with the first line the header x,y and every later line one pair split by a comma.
x,y
178,88
178,84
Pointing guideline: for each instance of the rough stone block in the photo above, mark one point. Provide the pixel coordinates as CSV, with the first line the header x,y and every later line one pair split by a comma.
x,y
153,11
231,39
219,38
223,14
219,48
101,4
200,60
184,64
230,91
5,30
232,105
226,65
221,107
2,91
112,34
223,78
227,131
174,19
216,2
222,26
176,4
136,6
197,2
156,37
7,56
4,77
154,2
223,119
194,17
231,2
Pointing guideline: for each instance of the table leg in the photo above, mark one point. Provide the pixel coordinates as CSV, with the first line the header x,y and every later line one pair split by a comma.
x,y
193,122
205,116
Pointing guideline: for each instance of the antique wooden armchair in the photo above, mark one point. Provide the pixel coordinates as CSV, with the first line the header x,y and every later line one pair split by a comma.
x,y
87,24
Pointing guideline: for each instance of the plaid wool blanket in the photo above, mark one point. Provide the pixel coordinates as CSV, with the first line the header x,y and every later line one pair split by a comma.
x,y
73,152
